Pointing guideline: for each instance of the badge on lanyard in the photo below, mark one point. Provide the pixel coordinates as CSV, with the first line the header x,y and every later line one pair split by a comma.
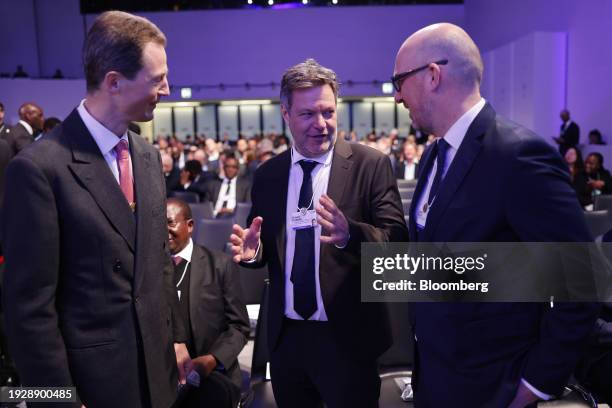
x,y
304,218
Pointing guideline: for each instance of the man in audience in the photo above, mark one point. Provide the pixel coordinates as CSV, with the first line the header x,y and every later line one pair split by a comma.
x,y
48,126
87,300
2,124
408,168
595,137
191,179
323,340
213,155
225,193
569,135
31,120
209,292
171,173
484,180
598,179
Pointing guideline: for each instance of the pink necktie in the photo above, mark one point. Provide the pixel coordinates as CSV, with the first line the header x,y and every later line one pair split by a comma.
x,y
125,175
176,259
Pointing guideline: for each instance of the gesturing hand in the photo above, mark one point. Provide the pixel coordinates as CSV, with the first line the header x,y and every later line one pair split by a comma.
x,y
245,240
333,221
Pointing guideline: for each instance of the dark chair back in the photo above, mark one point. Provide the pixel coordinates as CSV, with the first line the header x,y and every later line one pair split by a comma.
x,y
213,234
186,196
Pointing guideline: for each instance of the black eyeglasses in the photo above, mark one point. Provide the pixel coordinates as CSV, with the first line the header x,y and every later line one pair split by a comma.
x,y
397,79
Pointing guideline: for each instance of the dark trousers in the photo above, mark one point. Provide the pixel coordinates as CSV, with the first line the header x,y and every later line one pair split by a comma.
x,y
309,367
597,377
215,391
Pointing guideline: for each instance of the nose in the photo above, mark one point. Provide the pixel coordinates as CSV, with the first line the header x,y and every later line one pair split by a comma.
x,y
320,122
398,97
164,90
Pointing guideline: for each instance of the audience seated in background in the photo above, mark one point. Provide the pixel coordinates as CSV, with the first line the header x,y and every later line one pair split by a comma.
x,y
2,124
192,179
171,173
408,167
575,165
595,179
225,193
211,306
595,137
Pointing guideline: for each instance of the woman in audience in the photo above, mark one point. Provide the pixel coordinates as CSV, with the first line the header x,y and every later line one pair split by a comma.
x,y
595,180
573,158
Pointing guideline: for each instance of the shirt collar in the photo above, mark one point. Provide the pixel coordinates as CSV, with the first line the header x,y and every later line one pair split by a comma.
x,y
186,252
454,136
27,126
324,159
105,139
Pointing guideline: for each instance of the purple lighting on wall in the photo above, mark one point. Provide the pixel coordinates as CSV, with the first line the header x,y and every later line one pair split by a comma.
x,y
287,6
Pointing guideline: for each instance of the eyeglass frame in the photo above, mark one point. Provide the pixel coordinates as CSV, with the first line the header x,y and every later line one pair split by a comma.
x,y
397,79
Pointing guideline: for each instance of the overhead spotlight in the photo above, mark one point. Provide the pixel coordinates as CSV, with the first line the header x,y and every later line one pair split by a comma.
x,y
270,2
250,1
334,1
304,1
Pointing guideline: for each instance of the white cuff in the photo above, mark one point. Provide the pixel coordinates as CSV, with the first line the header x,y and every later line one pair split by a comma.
x,y
252,260
537,392
345,245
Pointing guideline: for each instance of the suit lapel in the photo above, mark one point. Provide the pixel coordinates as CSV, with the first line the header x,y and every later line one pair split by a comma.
x,y
283,187
92,170
340,171
143,182
463,161
200,275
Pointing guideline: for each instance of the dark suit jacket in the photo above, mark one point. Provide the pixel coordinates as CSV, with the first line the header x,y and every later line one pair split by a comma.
x,y
571,137
172,179
218,316
361,183
17,137
5,156
505,184
400,169
86,299
243,190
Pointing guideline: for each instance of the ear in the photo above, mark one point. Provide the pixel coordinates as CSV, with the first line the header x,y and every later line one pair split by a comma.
x,y
433,76
190,226
285,113
112,81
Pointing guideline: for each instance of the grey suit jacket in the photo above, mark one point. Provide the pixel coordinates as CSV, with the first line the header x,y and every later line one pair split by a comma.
x,y
17,137
86,295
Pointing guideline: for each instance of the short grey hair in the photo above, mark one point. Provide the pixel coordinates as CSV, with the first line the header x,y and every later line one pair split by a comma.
x,y
307,74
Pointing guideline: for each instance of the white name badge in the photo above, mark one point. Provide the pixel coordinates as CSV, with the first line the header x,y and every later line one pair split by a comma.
x,y
304,219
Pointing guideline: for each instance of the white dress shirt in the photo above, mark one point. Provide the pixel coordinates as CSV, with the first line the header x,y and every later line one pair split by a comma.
x,y
105,139
186,252
224,195
410,170
454,136
320,180
27,127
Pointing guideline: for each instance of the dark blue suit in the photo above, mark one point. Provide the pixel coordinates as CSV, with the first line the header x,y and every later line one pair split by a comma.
x,y
505,184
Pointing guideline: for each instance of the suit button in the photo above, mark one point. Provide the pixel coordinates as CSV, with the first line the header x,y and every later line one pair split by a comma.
x,y
137,299
117,265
